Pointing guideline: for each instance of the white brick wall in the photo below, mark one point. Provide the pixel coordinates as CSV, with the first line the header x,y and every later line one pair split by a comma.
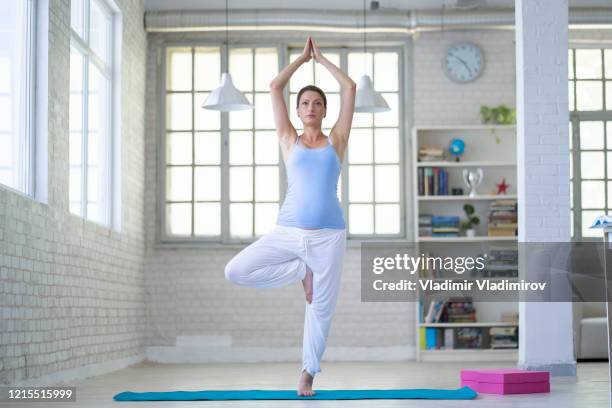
x,y
542,131
543,173
439,101
71,292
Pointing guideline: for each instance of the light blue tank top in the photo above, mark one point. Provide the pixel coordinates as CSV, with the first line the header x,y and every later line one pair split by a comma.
x,y
312,182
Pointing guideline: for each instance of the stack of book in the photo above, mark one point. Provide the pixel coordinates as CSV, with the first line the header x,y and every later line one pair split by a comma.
x,y
468,338
445,226
509,317
503,218
432,152
501,262
503,337
459,310
425,225
432,181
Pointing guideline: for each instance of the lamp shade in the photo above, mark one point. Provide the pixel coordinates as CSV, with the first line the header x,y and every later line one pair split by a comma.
x,y
367,99
227,97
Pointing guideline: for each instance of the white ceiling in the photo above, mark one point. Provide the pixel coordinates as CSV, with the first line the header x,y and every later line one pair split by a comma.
x,y
337,4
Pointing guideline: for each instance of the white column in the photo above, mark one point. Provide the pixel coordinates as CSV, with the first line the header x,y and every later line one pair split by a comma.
x,y
545,335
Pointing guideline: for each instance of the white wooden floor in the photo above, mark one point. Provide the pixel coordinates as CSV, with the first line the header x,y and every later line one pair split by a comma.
x,y
591,389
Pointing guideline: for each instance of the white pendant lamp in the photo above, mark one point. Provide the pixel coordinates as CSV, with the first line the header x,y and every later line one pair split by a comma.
x,y
367,99
226,97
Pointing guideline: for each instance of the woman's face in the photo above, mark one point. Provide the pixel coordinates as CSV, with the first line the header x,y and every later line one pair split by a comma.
x,y
311,109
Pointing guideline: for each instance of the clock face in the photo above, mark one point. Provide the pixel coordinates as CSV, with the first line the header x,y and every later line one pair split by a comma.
x,y
463,62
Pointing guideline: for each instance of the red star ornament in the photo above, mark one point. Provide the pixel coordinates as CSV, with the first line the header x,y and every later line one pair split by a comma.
x,y
502,188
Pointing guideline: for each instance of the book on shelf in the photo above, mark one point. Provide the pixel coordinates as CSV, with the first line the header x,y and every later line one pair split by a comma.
x,y
503,337
501,262
451,310
438,225
431,152
449,338
432,181
438,338
460,310
422,338
503,221
470,338
510,317
444,226
462,318
431,338
459,338
435,311
425,229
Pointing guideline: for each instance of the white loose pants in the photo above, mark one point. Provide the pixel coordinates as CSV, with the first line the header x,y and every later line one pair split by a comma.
x,y
279,258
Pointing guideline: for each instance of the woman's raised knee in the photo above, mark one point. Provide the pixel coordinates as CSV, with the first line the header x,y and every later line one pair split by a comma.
x,y
232,271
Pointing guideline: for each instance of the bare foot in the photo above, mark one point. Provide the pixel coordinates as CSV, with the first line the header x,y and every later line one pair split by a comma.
x,y
305,385
307,283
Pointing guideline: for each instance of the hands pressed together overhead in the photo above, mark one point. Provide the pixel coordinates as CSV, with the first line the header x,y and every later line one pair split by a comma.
x,y
312,50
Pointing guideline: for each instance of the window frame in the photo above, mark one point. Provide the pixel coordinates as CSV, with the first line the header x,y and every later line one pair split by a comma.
x,y
224,131
110,72
254,129
26,184
284,51
576,117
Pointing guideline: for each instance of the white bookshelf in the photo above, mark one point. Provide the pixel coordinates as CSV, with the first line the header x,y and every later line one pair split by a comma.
x,y
492,148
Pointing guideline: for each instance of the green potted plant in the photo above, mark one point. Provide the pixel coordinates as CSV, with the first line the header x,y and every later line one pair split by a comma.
x,y
499,115
485,114
472,220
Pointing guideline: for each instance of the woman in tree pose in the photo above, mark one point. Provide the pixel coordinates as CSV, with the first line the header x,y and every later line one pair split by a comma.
x,y
308,241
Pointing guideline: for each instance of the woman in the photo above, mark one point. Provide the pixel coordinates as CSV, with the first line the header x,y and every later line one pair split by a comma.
x,y
309,240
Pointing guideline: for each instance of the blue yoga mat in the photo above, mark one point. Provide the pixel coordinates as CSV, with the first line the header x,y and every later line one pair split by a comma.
x,y
458,394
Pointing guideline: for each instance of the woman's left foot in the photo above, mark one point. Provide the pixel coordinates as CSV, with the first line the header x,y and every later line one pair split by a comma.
x,y
307,283
305,385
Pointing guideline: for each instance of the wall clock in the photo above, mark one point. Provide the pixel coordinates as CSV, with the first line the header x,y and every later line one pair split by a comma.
x,y
463,62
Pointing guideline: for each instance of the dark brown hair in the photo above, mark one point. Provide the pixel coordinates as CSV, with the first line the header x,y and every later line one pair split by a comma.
x,y
314,89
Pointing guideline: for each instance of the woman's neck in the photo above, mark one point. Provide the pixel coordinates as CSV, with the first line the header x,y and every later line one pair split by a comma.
x,y
312,135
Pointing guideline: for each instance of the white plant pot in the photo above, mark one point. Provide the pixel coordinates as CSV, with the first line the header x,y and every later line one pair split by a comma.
x,y
470,232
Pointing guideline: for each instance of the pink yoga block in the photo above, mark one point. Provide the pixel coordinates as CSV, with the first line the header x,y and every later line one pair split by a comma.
x,y
506,381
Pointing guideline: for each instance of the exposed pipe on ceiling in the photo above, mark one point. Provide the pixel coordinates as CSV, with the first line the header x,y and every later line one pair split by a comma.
x,y
349,21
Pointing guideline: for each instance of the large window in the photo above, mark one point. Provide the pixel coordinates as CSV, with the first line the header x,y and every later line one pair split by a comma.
x,y
223,171
219,178
17,94
590,129
91,110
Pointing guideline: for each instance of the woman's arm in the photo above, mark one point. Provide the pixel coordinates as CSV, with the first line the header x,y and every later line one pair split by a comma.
x,y
284,128
348,88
